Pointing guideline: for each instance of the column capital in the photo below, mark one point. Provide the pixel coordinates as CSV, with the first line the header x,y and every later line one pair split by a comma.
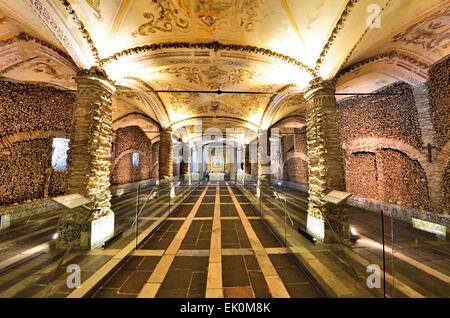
x,y
320,88
166,130
95,76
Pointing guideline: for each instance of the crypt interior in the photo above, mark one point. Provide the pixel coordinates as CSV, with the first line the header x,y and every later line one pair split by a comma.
x,y
224,148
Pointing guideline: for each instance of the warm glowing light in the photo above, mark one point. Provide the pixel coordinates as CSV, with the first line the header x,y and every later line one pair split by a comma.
x,y
55,236
37,249
315,227
352,229
254,119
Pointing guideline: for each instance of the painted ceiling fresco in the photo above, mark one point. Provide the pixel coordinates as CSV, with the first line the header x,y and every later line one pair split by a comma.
x,y
419,28
41,69
290,106
305,38
14,19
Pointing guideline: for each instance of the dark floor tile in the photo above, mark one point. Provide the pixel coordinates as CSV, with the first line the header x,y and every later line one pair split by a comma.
x,y
198,284
225,199
292,274
182,211
209,199
132,263
230,239
105,293
205,210
177,279
231,245
203,244
259,285
149,263
251,263
303,291
125,296
281,260
189,240
248,210
134,284
205,236
233,271
118,279
193,263
228,210
171,293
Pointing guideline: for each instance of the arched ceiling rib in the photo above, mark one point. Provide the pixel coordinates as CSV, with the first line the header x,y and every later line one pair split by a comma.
x,y
251,45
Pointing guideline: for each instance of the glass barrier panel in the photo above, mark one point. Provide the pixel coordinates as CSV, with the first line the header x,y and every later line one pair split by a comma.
x,y
342,267
420,253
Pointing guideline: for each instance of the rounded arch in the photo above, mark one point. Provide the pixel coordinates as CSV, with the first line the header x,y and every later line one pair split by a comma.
x,y
149,126
153,100
229,138
373,144
387,67
274,105
120,157
294,121
229,120
8,141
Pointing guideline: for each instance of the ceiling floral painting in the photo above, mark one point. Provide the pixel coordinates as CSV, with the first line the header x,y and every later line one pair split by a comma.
x,y
217,108
429,33
242,46
207,15
212,77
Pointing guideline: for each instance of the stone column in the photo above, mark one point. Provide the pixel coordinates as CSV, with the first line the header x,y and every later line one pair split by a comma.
x,y
264,167
185,165
285,174
247,164
89,160
165,153
155,160
326,171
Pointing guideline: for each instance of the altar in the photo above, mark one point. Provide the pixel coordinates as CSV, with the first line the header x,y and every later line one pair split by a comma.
x,y
216,176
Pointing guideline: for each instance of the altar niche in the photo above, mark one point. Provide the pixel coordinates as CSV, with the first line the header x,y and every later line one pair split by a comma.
x,y
219,161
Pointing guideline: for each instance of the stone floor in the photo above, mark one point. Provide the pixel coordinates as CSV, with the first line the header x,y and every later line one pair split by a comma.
x,y
215,243
187,246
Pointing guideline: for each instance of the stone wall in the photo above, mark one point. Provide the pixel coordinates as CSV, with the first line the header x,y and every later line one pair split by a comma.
x,y
29,107
296,156
376,170
403,181
297,169
387,175
127,141
439,96
446,187
23,176
381,116
155,161
361,174
300,156
29,114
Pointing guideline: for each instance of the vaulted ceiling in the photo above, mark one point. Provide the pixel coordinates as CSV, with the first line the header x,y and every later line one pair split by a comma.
x,y
231,45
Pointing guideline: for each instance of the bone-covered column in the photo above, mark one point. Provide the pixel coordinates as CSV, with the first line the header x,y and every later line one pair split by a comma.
x,y
89,160
326,171
165,153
